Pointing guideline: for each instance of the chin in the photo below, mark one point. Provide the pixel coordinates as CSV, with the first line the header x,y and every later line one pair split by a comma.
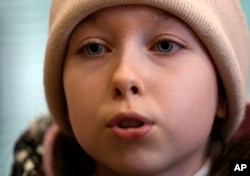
x,y
134,166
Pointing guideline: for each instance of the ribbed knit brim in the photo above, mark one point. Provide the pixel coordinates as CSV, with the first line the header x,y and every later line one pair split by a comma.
x,y
219,24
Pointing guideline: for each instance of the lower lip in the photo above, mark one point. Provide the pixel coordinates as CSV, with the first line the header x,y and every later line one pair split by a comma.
x,y
132,134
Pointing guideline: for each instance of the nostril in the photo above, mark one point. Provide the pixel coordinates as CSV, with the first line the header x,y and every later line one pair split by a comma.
x,y
134,89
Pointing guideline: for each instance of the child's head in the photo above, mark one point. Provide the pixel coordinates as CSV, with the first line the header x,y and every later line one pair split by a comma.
x,y
142,82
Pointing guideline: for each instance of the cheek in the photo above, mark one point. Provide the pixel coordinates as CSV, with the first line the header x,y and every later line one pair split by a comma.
x,y
84,91
78,93
189,101
81,95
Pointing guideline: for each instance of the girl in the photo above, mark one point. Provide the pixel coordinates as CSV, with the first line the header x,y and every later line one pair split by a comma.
x,y
141,88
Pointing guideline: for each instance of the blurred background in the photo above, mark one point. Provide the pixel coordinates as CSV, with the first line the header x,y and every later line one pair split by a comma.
x,y
23,33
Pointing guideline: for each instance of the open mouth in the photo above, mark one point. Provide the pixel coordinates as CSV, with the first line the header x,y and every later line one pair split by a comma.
x,y
130,123
130,126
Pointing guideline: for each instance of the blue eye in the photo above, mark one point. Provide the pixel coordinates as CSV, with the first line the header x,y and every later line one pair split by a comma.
x,y
165,46
93,49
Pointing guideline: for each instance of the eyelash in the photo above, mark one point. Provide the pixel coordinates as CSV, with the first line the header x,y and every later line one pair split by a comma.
x,y
164,46
86,49
168,46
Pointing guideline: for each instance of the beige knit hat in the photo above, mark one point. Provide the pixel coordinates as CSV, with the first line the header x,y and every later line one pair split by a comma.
x,y
219,24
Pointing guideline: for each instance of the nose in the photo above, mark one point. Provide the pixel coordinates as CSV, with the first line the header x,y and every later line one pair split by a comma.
x,y
127,82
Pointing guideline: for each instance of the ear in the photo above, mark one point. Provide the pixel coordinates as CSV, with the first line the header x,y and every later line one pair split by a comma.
x,y
221,111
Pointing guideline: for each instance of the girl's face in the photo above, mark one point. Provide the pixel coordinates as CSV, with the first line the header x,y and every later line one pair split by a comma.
x,y
141,92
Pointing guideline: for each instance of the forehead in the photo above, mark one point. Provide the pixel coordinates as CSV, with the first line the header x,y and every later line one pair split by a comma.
x,y
138,19
145,14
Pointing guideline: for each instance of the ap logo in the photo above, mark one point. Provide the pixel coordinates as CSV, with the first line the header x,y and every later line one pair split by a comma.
x,y
239,168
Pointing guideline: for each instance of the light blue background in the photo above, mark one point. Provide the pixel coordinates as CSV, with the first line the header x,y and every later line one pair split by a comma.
x,y
23,32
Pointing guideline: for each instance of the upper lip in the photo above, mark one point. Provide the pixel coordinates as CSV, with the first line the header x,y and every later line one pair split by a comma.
x,y
129,119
